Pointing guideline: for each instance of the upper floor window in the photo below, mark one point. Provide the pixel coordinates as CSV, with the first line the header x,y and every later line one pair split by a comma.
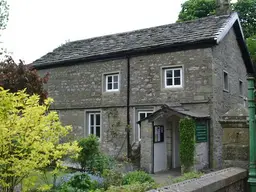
x,y
225,78
112,82
173,77
241,91
94,124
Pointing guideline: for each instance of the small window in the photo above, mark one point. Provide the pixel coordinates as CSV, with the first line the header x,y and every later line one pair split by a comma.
x,y
241,91
173,77
226,87
142,115
112,82
94,124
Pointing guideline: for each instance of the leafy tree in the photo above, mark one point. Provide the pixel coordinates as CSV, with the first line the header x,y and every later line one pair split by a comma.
x,y
30,137
251,43
4,14
17,77
193,9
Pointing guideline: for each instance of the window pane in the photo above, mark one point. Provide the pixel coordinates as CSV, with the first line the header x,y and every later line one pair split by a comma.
x,y
225,81
116,78
109,86
241,87
98,131
148,114
176,81
97,119
115,85
177,73
109,79
91,119
142,116
168,73
168,82
92,130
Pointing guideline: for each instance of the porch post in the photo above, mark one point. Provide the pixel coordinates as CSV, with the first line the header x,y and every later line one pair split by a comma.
x,y
252,135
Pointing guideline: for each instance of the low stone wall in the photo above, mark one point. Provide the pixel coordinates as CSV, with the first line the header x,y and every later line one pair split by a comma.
x,y
230,179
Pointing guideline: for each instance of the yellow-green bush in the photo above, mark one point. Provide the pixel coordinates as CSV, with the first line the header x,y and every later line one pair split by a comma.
x,y
30,137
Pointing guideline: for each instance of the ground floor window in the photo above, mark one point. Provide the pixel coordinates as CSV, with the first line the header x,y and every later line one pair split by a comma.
x,y
141,115
94,123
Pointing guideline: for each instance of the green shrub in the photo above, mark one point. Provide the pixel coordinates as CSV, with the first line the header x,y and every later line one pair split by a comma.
x,y
187,176
79,183
137,177
135,187
90,148
187,143
112,178
98,163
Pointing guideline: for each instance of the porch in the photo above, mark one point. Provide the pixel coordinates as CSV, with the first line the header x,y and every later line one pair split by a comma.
x,y
160,140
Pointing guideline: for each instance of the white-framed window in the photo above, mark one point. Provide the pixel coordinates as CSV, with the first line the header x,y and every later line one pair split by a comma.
x,y
173,77
241,88
225,81
94,123
141,115
112,82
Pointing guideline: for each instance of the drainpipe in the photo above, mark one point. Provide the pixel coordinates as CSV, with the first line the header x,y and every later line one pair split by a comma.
x,y
128,109
252,135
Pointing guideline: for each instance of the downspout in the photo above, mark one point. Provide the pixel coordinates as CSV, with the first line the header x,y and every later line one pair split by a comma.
x,y
252,135
153,150
128,109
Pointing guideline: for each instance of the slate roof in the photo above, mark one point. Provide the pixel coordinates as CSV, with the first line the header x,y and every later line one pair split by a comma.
x,y
179,110
199,30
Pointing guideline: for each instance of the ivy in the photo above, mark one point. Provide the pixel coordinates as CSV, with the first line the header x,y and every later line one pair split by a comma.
x,y
187,143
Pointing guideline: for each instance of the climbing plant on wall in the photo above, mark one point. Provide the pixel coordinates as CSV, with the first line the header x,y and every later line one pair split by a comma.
x,y
187,143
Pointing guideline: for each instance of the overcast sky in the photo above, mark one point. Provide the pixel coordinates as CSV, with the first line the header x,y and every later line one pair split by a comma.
x,y
36,27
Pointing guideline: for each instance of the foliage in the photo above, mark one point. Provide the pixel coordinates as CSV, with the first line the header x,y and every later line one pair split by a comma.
x,y
194,9
91,158
89,148
17,77
251,43
135,187
247,14
80,182
137,177
4,14
30,137
187,142
112,178
186,176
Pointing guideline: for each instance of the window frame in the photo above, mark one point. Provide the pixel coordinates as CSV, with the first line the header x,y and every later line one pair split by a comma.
x,y
94,113
113,82
224,81
173,78
138,130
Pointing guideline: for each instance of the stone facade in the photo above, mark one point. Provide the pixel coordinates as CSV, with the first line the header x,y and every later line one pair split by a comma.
x,y
79,88
226,57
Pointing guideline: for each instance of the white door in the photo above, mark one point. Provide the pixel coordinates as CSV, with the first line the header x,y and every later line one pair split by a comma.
x,y
175,145
159,152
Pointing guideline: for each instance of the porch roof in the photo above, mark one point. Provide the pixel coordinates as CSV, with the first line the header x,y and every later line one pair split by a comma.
x,y
180,111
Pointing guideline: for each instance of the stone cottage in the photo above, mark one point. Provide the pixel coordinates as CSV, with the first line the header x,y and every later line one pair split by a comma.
x,y
154,76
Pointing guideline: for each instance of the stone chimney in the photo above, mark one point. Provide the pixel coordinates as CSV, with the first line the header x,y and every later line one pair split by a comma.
x,y
223,7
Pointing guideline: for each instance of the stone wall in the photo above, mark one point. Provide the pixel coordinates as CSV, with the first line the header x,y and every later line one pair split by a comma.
x,y
236,137
146,158
226,56
230,179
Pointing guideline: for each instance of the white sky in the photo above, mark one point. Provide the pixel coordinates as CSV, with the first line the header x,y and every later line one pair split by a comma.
x,y
36,27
